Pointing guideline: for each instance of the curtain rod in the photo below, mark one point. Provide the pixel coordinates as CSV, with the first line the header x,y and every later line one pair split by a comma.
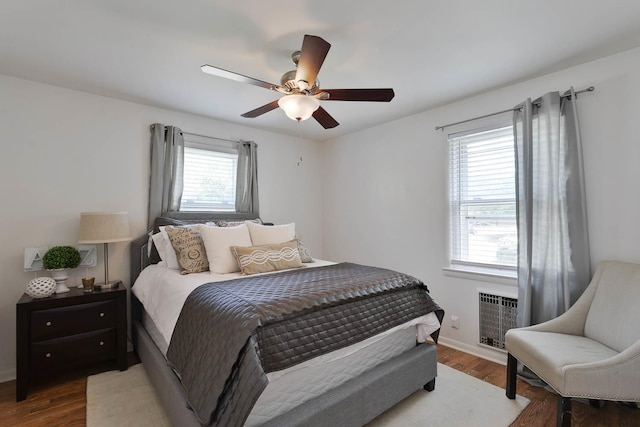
x,y
204,136
566,95
211,137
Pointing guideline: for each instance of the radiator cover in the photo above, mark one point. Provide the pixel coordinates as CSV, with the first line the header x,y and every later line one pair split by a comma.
x,y
497,315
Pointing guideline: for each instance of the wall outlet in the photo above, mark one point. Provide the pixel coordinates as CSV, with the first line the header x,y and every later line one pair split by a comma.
x,y
455,322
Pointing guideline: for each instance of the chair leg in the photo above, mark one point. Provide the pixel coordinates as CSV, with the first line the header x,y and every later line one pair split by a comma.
x,y
563,416
595,403
512,375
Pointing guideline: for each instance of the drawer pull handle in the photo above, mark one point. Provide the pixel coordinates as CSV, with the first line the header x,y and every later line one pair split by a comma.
x,y
48,323
101,314
48,355
101,342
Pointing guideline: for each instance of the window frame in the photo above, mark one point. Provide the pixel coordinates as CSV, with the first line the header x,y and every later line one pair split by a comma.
x,y
458,267
200,142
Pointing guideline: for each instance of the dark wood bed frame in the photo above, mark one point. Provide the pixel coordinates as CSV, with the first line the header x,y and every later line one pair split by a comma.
x,y
353,403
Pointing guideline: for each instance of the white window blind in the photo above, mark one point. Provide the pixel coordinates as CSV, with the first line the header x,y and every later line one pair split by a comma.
x,y
209,178
482,197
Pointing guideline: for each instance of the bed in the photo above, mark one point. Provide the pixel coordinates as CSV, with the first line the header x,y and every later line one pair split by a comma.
x,y
348,385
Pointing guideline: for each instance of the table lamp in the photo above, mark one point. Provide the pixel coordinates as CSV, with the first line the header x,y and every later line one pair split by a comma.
x,y
104,227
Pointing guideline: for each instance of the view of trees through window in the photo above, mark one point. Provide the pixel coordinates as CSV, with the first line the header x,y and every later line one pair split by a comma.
x,y
209,180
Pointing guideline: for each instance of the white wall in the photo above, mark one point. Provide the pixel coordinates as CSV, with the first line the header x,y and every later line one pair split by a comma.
x,y
385,189
384,197
64,152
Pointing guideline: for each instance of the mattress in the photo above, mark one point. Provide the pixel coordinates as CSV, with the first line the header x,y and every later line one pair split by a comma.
x,y
303,383
292,386
163,292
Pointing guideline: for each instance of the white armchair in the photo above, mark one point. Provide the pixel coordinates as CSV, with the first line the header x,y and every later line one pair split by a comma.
x,y
593,349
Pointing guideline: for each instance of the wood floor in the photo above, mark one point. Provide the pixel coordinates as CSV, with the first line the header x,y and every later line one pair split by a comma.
x,y
541,412
62,402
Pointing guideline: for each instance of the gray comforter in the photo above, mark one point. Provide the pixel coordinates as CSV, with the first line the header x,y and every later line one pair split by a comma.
x,y
230,333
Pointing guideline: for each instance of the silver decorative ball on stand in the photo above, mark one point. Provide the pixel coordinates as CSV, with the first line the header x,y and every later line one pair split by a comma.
x,y
41,287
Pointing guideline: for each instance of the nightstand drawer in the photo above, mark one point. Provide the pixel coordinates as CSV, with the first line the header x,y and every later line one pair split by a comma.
x,y
73,319
57,353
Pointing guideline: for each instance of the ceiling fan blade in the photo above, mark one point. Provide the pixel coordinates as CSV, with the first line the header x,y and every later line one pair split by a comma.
x,y
372,95
324,118
210,69
261,110
314,50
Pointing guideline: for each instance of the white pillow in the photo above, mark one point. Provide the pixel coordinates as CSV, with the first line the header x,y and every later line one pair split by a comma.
x,y
217,243
271,234
159,243
170,253
165,250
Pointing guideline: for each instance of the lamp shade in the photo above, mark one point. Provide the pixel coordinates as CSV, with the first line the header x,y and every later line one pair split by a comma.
x,y
298,107
104,227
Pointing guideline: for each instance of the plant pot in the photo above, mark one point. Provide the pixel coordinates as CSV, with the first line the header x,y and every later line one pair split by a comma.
x,y
60,275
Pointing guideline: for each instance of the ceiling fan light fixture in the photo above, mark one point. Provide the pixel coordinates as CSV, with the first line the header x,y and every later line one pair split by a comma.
x,y
301,87
298,107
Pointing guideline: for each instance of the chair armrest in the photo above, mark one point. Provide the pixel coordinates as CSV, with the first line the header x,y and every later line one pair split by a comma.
x,y
572,321
615,378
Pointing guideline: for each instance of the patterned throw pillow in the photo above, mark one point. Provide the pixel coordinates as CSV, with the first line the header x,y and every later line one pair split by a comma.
x,y
261,259
154,256
189,249
305,254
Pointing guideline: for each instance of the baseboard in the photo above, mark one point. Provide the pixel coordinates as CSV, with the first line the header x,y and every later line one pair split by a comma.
x,y
7,375
496,356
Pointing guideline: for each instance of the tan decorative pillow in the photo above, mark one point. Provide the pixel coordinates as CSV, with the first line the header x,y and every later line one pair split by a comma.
x,y
189,248
264,258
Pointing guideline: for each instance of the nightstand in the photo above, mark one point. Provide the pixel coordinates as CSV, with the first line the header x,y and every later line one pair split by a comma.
x,y
69,330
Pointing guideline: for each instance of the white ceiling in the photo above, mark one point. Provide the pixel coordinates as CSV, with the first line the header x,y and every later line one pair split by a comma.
x,y
431,52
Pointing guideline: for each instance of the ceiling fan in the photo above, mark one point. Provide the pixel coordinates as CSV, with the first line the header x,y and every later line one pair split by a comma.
x,y
301,88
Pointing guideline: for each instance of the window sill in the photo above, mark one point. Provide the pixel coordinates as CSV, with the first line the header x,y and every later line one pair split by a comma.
x,y
483,274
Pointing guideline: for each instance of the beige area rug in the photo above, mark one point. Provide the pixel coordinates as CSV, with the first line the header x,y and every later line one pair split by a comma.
x,y
127,399
120,399
458,400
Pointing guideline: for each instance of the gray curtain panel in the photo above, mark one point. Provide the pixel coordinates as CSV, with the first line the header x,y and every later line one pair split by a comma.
x,y
553,242
167,162
247,178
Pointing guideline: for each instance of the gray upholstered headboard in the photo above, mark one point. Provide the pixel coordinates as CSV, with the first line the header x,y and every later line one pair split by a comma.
x,y
142,257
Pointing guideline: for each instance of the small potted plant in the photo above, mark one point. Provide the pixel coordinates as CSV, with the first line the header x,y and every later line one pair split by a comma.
x,y
59,259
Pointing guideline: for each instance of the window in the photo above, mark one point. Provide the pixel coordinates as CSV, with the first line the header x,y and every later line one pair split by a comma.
x,y
210,170
482,198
